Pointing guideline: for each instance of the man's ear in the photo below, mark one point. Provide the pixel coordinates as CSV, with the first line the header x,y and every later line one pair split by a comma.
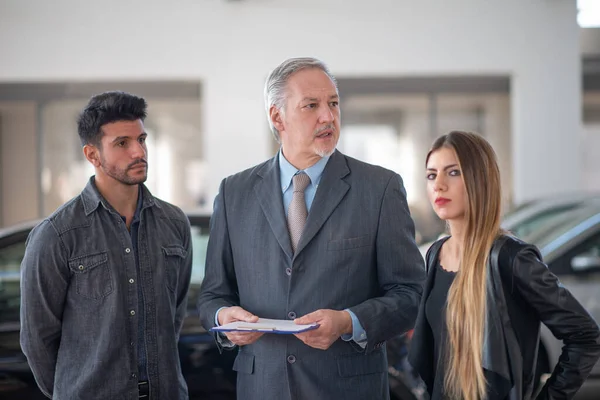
x,y
276,116
92,153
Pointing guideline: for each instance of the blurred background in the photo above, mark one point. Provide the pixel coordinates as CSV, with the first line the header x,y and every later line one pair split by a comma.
x,y
526,75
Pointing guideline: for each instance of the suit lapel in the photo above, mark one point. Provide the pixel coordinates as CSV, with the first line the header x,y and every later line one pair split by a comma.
x,y
270,199
500,347
330,192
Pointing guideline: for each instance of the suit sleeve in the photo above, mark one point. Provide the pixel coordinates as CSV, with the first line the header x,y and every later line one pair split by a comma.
x,y
400,271
44,282
219,288
566,318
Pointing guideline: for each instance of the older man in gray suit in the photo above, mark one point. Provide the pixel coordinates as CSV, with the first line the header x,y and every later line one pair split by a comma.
x,y
311,235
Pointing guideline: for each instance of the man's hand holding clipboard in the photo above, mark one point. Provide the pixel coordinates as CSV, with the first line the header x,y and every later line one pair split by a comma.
x,y
265,325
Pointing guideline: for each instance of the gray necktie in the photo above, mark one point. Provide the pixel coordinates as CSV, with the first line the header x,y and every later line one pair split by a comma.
x,y
297,211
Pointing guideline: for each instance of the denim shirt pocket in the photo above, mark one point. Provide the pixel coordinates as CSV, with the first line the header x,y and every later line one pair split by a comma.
x,y
174,257
92,275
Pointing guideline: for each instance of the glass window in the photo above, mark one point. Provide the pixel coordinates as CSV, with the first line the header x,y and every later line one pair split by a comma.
x,y
396,130
200,231
567,223
538,221
589,248
588,13
199,243
591,141
10,292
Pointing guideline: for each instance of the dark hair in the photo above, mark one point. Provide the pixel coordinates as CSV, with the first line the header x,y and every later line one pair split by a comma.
x,y
105,108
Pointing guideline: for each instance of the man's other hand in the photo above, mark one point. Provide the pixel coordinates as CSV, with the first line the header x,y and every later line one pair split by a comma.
x,y
332,325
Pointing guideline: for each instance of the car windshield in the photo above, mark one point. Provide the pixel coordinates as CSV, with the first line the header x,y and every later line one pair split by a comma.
x,y
560,224
524,226
532,216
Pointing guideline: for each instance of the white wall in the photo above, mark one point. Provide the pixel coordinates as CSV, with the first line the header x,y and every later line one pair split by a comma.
x,y
231,46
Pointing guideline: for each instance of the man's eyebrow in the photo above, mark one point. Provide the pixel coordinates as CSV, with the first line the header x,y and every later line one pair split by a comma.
x,y
119,138
333,96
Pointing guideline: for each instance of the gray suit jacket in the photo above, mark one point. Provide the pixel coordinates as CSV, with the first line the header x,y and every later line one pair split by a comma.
x,y
357,251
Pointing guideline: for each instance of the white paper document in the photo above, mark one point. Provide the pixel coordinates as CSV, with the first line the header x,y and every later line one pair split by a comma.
x,y
281,326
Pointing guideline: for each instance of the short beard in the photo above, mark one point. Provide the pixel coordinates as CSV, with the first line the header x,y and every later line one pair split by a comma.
x,y
324,153
121,176
321,152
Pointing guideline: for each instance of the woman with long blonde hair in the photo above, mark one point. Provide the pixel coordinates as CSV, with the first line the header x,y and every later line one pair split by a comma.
x,y
477,333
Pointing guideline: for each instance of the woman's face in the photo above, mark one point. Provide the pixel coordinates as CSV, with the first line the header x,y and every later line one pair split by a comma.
x,y
445,186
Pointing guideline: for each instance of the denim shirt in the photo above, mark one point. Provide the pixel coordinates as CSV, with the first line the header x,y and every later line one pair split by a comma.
x,y
133,231
80,305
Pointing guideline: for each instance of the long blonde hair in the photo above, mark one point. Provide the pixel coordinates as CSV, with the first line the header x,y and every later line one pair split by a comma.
x,y
466,306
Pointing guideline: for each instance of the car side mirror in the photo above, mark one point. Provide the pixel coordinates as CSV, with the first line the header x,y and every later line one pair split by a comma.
x,y
585,263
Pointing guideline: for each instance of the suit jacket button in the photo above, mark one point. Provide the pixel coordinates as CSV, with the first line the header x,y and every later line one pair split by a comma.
x,y
291,358
288,271
292,315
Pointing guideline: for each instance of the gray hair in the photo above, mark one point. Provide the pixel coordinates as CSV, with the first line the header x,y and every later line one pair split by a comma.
x,y
276,83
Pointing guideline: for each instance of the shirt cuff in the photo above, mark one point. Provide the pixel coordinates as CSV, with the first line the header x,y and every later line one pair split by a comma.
x,y
359,335
217,316
221,338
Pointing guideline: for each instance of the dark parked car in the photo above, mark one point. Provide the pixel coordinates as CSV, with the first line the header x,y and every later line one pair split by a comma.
x,y
570,245
209,375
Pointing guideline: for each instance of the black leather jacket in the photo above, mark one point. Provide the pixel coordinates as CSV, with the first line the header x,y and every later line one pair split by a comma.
x,y
521,293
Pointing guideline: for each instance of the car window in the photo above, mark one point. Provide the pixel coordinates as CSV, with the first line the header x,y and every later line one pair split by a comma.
x,y
10,263
588,248
527,226
199,243
566,224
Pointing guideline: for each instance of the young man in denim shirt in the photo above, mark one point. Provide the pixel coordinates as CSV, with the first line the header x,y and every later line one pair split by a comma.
x,y
105,277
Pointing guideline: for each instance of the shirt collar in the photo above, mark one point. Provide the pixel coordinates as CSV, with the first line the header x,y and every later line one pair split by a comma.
x,y
92,198
287,171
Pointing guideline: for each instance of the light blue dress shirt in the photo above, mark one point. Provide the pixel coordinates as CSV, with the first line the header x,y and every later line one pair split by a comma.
x,y
287,172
